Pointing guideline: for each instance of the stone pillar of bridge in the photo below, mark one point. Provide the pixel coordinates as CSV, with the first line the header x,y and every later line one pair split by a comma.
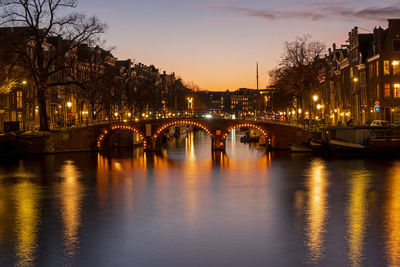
x,y
150,145
218,142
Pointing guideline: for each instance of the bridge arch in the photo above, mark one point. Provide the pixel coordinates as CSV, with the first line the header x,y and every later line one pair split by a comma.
x,y
263,131
113,128
169,124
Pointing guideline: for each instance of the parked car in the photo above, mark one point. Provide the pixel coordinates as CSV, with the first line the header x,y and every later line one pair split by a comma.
x,y
379,123
396,124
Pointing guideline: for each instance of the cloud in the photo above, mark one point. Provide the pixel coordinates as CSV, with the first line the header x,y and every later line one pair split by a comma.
x,y
320,11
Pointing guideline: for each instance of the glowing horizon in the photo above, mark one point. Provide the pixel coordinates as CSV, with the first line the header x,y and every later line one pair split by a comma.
x,y
216,44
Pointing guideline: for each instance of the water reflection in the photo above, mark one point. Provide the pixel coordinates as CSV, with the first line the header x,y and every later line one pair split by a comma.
x,y
71,192
26,197
356,214
392,217
316,210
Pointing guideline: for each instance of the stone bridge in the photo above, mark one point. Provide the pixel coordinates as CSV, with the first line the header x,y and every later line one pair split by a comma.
x,y
98,137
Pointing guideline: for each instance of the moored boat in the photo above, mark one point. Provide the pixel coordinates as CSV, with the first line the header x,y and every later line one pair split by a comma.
x,y
249,139
339,146
301,148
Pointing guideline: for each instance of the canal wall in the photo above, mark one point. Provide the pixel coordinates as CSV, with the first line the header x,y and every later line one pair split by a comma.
x,y
284,135
73,140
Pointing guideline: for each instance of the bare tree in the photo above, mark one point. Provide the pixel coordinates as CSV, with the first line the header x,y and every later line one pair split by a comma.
x,y
296,75
193,86
46,41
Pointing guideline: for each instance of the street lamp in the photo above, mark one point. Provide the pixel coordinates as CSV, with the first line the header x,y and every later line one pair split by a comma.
x,y
315,98
190,103
69,104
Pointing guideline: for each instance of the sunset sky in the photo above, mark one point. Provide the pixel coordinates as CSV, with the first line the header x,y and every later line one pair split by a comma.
x,y
216,43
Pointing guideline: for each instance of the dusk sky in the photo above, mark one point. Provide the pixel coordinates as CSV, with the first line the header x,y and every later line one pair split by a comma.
x,y
216,43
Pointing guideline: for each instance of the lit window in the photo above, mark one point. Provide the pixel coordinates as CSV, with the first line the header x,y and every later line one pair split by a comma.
x,y
387,90
395,69
19,99
396,88
386,67
377,69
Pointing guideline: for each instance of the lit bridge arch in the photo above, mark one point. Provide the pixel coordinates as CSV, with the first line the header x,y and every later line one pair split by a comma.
x,y
108,131
161,129
248,125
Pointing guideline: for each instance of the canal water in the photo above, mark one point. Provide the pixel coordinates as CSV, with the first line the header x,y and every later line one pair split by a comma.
x,y
188,207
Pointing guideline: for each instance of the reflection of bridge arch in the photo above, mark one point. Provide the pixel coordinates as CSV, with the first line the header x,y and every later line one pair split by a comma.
x,y
263,131
167,125
111,129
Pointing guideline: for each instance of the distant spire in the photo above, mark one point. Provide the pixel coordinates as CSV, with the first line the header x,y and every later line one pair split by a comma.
x,y
257,75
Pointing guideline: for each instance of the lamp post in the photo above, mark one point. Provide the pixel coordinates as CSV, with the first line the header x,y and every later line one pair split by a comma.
x,y
190,103
69,105
315,99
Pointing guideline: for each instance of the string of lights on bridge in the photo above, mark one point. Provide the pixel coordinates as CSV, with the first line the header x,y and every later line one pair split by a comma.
x,y
188,122
121,127
250,125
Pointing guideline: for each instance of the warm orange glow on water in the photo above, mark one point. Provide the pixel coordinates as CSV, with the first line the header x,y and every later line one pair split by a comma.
x,y
357,215
392,217
26,197
316,210
70,191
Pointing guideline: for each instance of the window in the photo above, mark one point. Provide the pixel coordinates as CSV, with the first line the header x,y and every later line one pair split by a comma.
x,y
386,67
371,70
378,89
387,90
396,45
396,90
377,69
19,99
395,69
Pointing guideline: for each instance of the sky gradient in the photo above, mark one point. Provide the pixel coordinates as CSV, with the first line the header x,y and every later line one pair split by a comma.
x,y
216,43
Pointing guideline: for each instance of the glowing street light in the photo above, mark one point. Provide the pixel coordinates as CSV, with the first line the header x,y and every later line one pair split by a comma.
x,y
69,104
355,79
300,111
319,106
24,82
315,98
395,63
